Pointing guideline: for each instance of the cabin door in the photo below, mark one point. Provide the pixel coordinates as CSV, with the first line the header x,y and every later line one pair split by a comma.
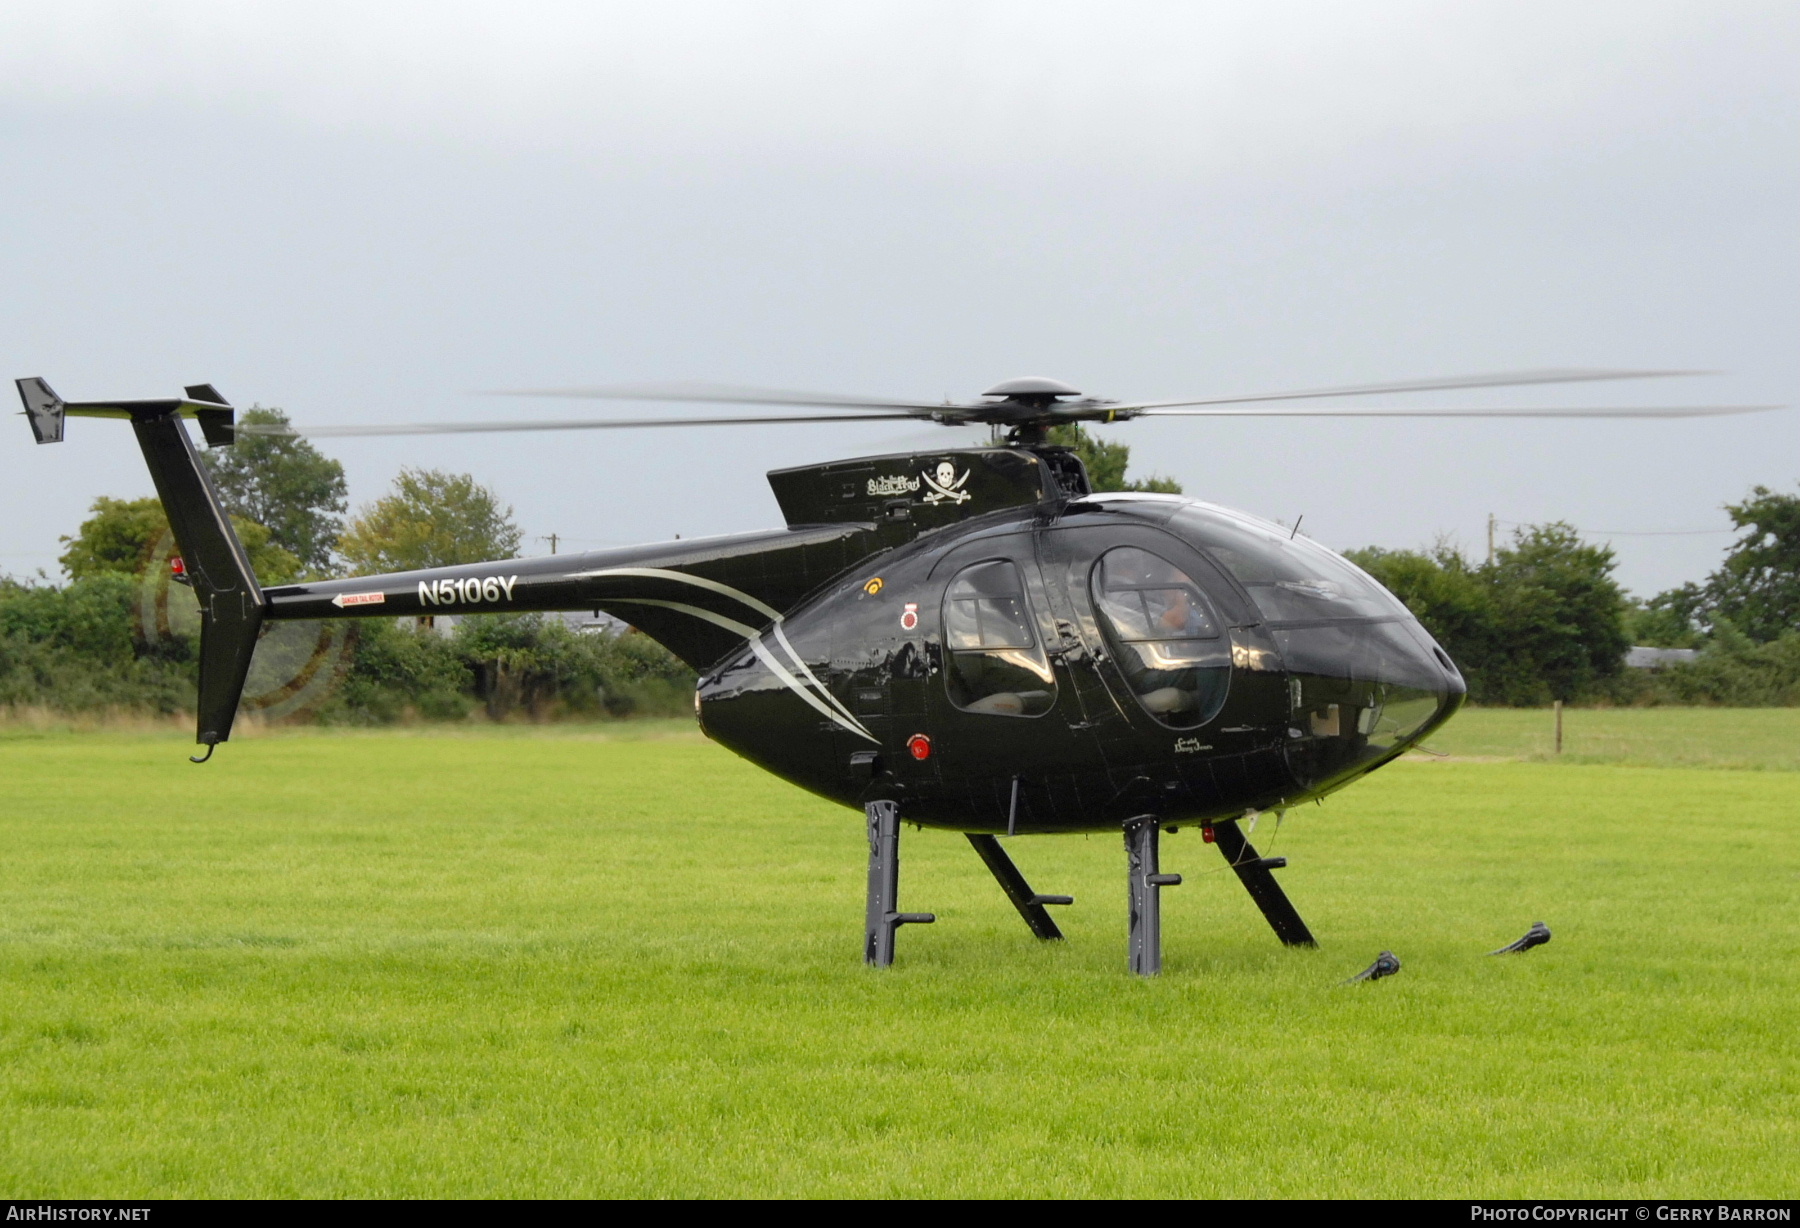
x,y
1066,557
996,694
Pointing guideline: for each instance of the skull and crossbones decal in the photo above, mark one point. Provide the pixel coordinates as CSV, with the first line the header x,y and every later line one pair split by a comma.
x,y
945,485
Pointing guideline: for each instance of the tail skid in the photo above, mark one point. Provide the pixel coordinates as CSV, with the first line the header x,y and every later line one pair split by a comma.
x,y
232,605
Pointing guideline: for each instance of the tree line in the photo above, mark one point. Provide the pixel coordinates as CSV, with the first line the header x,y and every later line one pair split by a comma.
x,y
1542,619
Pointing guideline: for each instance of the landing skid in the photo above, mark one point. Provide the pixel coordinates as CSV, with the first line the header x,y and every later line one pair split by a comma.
x,y
1146,880
1028,902
1142,860
883,917
1255,873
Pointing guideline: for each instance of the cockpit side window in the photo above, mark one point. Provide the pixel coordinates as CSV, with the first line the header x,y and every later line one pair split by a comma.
x,y
1165,636
996,667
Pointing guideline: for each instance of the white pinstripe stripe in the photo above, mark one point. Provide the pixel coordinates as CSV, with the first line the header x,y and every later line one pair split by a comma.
x,y
842,715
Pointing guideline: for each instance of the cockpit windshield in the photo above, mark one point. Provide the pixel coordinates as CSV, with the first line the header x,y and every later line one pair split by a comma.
x,y
1290,578
1364,679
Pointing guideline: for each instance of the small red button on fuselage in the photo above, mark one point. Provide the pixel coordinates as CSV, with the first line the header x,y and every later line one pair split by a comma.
x,y
919,745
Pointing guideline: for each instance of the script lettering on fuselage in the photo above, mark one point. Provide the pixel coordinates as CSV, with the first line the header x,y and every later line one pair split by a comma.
x,y
471,591
898,484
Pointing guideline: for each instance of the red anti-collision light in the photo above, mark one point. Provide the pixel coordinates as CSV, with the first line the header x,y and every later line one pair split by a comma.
x,y
920,746
1206,834
176,566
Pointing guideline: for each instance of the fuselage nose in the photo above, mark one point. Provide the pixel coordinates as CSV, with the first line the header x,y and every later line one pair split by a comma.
x,y
1362,692
1365,680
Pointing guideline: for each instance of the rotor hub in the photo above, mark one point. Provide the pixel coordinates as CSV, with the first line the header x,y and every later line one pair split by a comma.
x,y
1035,391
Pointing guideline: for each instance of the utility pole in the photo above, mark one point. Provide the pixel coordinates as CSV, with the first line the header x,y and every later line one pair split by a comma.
x,y
1490,539
553,539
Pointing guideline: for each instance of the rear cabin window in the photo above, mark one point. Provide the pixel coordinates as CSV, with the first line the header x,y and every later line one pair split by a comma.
x,y
1164,635
996,667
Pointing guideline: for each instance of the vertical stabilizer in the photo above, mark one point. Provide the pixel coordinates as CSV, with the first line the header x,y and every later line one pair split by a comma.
x,y
231,602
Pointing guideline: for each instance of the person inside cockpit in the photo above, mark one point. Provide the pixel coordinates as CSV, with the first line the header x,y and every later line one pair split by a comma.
x,y
1168,640
1175,616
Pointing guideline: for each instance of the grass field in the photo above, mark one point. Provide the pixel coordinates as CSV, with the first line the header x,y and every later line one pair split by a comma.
x,y
563,962
1644,737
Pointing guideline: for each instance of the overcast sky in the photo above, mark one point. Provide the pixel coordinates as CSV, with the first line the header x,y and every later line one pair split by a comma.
x,y
364,212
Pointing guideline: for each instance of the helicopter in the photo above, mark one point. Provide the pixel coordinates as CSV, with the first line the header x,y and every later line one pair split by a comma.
x,y
970,639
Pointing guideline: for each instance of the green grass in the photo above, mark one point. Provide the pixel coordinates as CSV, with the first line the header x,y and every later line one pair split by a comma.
x,y
1752,738
562,963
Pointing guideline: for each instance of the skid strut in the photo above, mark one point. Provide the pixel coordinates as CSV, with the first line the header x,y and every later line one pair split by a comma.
x,y
1028,902
1147,882
883,916
1254,872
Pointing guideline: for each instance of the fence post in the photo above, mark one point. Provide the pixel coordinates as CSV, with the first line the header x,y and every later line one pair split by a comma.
x,y
1557,705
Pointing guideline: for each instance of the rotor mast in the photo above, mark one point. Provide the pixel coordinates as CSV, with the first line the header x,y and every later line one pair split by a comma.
x,y
1028,407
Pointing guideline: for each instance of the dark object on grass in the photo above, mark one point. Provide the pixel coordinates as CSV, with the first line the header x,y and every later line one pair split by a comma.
x,y
1536,936
1386,964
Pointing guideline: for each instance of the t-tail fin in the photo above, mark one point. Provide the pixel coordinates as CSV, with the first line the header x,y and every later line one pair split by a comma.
x,y
231,602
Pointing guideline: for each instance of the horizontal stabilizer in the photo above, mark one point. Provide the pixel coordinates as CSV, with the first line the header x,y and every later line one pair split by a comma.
x,y
47,410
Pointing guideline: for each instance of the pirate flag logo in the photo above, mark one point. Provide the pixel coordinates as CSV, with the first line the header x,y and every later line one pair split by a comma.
x,y
946,486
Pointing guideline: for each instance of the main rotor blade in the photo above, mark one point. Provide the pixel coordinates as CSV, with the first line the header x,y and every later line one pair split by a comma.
x,y
1369,411
719,393
577,424
1498,379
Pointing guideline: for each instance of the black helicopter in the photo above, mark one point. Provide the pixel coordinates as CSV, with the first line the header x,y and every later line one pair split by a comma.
x,y
969,639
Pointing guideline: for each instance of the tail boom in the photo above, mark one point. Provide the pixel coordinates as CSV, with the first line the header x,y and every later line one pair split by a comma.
x,y
700,598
